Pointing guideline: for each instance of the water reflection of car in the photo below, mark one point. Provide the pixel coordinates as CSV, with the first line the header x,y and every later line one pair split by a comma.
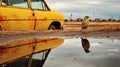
x,y
28,15
28,52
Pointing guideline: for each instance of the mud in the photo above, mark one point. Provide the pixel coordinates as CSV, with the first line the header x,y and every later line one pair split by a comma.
x,y
71,30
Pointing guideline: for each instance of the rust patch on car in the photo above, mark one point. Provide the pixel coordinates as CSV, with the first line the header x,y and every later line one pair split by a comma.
x,y
43,41
31,45
44,19
3,18
54,38
3,51
4,46
15,50
14,15
31,18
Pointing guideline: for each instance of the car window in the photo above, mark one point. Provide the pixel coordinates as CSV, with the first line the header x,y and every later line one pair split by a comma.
x,y
39,4
18,3
37,60
4,2
23,62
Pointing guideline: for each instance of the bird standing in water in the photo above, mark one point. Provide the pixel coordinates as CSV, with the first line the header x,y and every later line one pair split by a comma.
x,y
85,23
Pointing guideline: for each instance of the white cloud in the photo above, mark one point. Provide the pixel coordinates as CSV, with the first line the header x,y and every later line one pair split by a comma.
x,y
80,8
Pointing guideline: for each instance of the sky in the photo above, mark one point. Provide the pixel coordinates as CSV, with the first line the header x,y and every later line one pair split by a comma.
x,y
103,9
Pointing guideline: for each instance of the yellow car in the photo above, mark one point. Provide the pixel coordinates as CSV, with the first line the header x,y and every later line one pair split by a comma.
x,y
28,15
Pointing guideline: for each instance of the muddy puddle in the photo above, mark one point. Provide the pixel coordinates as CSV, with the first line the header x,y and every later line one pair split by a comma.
x,y
60,52
85,52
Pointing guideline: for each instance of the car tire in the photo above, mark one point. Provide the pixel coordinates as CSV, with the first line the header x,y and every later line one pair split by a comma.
x,y
52,27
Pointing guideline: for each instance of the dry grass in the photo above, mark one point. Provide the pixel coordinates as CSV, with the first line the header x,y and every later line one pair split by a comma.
x,y
94,26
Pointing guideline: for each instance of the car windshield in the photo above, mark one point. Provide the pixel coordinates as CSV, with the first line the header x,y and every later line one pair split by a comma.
x,y
19,3
39,4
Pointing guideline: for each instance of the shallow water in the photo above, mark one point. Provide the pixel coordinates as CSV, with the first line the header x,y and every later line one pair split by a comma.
x,y
103,53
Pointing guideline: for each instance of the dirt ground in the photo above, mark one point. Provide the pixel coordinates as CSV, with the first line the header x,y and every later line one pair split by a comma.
x,y
72,30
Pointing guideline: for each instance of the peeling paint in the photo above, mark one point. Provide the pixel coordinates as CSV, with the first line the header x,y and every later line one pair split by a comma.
x,y
1,18
44,19
3,51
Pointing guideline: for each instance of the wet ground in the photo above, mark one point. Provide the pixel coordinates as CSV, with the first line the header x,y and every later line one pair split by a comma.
x,y
96,49
101,48
103,53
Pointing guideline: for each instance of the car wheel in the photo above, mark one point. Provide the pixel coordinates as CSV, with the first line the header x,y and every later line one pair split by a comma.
x,y
52,27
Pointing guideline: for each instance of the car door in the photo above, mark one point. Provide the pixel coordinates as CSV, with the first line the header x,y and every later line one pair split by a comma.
x,y
16,15
42,14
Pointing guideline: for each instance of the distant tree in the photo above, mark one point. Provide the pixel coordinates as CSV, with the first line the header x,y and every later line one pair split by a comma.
x,y
66,20
118,20
114,20
79,19
71,20
90,20
111,20
104,20
97,20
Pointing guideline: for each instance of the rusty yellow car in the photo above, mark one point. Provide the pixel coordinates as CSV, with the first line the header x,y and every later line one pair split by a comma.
x,y
28,15
27,52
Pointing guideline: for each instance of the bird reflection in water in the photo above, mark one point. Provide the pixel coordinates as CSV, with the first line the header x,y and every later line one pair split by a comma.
x,y
85,44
